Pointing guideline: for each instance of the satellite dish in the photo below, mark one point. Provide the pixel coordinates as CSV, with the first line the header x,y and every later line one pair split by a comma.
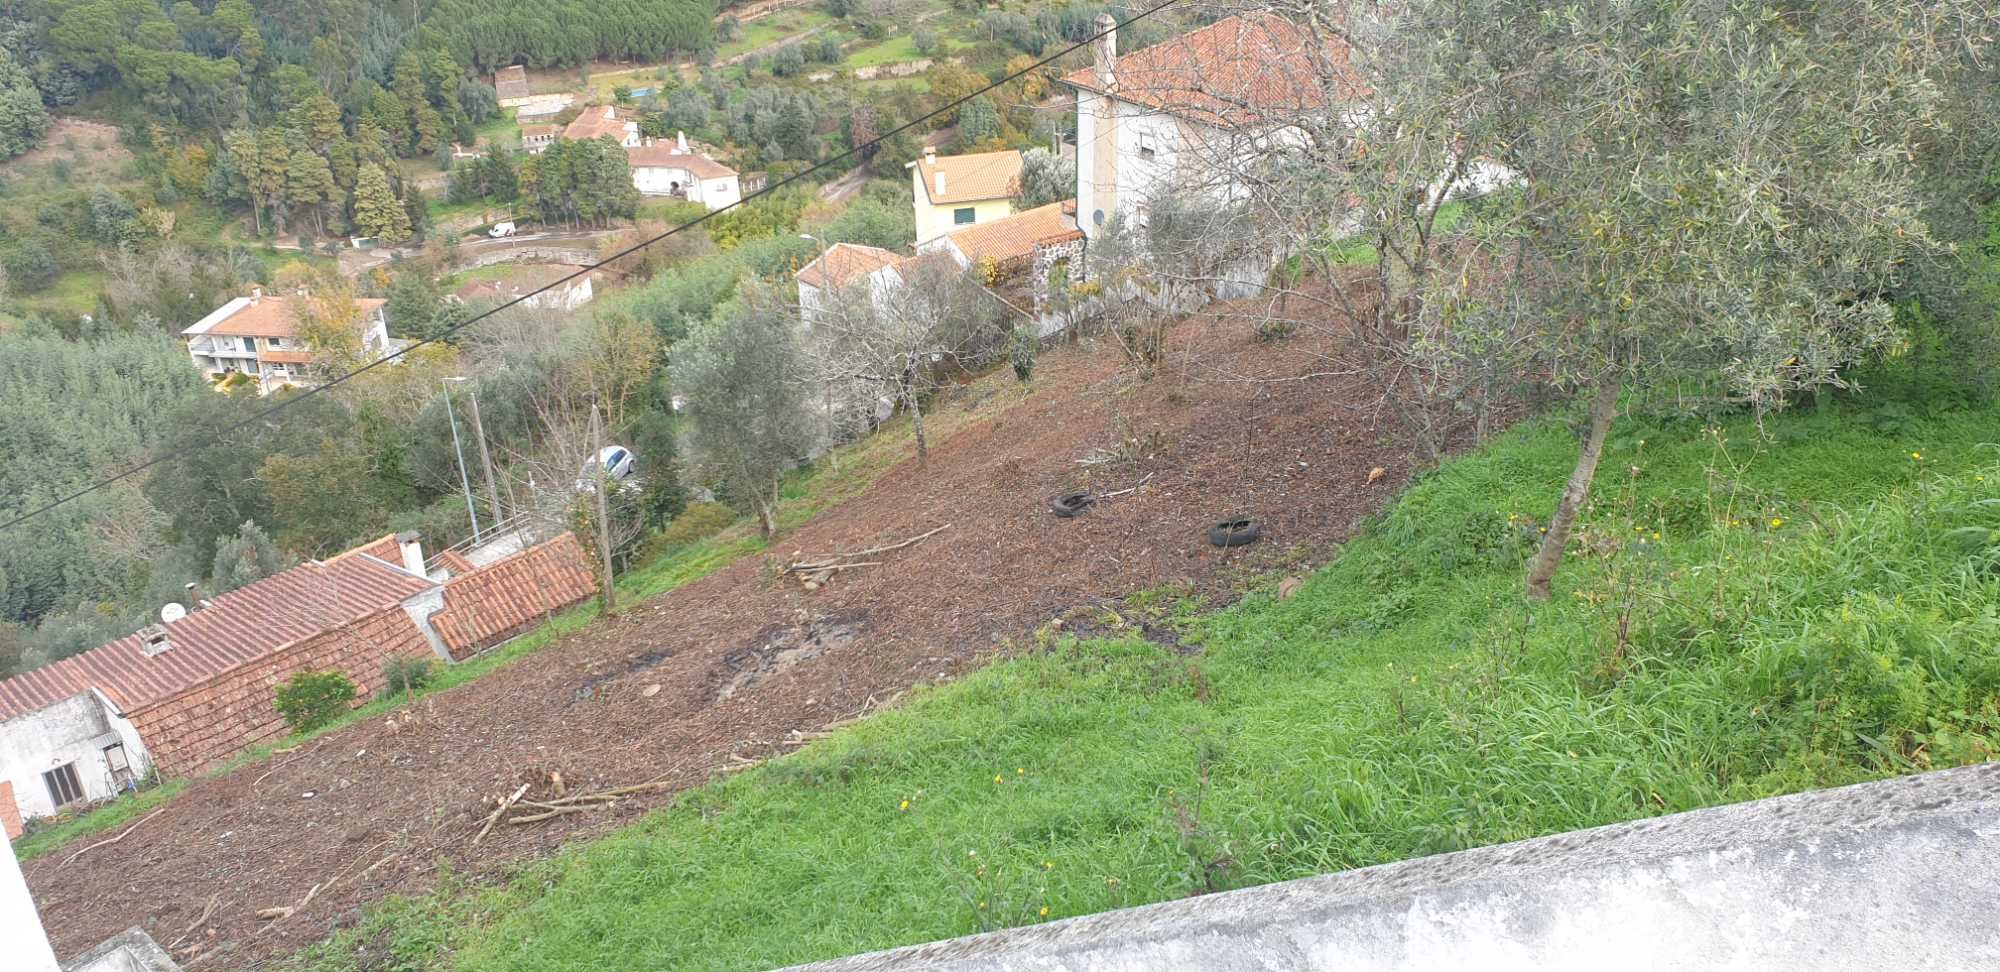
x,y
173,611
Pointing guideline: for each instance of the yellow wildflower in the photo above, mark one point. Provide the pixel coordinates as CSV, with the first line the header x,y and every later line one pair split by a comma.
x,y
1656,535
905,806
1045,911
997,777
1777,521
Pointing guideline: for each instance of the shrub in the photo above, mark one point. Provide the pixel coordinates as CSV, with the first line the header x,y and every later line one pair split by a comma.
x,y
309,700
696,523
403,675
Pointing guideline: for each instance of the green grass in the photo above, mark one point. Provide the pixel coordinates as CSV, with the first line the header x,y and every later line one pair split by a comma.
x,y
896,50
1818,608
773,28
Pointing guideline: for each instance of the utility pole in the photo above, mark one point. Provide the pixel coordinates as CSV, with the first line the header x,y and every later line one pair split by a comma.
x,y
486,463
464,481
598,474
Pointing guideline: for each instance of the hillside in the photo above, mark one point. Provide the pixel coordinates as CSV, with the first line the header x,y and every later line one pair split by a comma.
x,y
741,662
1753,615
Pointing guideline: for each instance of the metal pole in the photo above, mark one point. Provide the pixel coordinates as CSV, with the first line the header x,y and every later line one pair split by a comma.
x,y
486,462
464,481
603,514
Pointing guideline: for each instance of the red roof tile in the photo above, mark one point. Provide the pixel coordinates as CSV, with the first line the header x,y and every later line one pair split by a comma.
x,y
1015,236
843,263
664,155
504,598
242,625
1236,70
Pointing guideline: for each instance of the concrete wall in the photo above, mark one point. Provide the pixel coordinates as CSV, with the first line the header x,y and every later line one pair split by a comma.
x,y
233,711
1899,874
935,220
24,945
72,731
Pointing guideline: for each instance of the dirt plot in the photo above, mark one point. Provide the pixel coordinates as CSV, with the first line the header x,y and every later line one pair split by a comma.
x,y
748,662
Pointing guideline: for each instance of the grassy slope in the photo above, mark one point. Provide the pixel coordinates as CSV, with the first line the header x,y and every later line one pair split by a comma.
x,y
1816,610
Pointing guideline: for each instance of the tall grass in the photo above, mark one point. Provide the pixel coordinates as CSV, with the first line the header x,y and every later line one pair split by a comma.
x,y
1743,616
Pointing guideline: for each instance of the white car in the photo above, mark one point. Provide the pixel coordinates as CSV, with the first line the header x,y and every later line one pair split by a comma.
x,y
501,229
617,464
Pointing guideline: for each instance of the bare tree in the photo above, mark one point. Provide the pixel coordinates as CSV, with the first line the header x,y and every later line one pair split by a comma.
x,y
903,341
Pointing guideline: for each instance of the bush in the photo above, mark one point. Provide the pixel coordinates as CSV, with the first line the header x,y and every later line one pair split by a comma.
x,y
309,700
405,675
696,523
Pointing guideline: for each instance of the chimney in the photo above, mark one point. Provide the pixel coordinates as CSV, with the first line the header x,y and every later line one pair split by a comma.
x,y
256,293
930,155
681,142
940,182
413,551
153,640
1104,50
193,596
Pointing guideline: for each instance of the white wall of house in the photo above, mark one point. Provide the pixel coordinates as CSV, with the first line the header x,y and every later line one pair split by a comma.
x,y
714,193
72,732
26,943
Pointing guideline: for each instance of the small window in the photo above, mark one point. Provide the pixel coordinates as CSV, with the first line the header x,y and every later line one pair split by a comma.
x,y
1146,145
962,217
63,787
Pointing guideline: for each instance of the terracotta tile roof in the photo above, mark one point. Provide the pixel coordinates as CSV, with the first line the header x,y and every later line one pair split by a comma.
x,y
496,602
594,123
909,267
843,263
510,82
455,562
1236,70
266,316
663,155
540,131
969,178
1015,236
241,626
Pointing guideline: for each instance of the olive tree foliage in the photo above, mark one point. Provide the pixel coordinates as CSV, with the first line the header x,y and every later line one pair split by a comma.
x,y
746,416
904,339
1700,196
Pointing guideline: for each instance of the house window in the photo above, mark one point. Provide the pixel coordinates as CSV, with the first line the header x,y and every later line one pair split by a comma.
x,y
1146,145
120,766
962,217
63,787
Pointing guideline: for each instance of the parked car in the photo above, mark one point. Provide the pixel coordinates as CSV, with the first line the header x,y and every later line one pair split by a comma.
x,y
618,464
501,229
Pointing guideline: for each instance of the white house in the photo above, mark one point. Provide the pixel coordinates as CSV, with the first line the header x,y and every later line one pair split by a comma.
x,y
1187,114
77,750
662,168
841,266
258,336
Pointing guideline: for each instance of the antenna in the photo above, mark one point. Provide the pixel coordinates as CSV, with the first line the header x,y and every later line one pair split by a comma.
x,y
172,611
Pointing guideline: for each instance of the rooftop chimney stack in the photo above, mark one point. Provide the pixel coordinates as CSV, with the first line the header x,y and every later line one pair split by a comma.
x,y
193,596
153,640
930,154
412,544
1104,51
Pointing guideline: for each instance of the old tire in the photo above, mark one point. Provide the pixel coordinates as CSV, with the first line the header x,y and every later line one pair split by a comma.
x,y
1235,532
1072,504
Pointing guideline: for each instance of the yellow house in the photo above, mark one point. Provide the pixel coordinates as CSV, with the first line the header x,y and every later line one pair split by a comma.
x,y
955,191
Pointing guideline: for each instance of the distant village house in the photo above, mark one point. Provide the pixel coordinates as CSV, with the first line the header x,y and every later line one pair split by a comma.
x,y
951,192
662,168
510,85
257,336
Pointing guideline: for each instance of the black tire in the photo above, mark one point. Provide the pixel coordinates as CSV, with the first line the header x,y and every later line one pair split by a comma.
x,y
1072,504
1237,532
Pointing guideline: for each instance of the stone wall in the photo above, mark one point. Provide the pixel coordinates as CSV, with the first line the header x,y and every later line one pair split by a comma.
x,y
233,711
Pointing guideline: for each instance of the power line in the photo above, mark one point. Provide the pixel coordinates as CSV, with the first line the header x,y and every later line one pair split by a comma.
x,y
265,413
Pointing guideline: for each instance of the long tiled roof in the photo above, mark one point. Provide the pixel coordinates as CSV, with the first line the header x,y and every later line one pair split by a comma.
x,y
240,626
1015,236
267,316
842,263
1240,69
970,178
488,605
595,122
664,155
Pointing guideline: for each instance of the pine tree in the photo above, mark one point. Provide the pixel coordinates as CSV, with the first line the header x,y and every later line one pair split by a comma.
x,y
377,211
309,183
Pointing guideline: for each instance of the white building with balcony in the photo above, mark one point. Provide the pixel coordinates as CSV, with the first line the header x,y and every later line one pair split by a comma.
x,y
257,336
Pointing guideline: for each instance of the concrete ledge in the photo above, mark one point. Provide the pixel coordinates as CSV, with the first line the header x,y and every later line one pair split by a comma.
x,y
1899,874
131,950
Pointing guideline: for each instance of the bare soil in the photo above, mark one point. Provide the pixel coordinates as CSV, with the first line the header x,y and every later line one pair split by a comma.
x,y
91,148
731,667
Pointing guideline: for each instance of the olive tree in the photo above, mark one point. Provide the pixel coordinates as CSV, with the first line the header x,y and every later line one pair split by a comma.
x,y
746,415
